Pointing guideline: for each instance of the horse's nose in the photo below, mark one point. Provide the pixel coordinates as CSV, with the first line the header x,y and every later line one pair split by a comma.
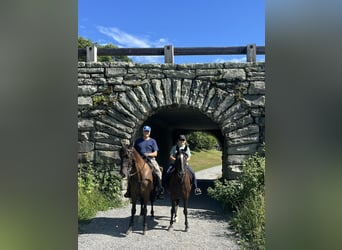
x,y
122,173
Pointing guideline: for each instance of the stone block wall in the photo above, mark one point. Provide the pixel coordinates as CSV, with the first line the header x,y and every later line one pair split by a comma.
x,y
114,100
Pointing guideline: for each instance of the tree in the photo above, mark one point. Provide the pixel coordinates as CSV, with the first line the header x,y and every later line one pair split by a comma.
x,y
201,141
83,43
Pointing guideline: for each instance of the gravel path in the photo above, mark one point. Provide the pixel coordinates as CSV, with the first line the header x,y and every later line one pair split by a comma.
x,y
207,221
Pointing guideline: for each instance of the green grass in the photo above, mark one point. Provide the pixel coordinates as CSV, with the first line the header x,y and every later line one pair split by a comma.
x,y
205,159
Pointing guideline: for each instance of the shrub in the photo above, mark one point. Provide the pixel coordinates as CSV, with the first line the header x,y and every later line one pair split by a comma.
x,y
246,196
249,222
89,203
97,190
201,141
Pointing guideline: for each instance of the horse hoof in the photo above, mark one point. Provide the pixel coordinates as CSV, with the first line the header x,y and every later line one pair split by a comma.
x,y
169,229
176,219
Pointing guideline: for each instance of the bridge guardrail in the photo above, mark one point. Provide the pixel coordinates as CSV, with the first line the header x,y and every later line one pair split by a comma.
x,y
251,50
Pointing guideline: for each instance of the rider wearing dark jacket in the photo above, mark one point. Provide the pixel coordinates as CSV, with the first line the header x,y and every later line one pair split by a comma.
x,y
181,143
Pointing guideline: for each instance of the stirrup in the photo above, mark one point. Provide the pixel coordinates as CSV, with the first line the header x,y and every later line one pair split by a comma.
x,y
198,191
160,194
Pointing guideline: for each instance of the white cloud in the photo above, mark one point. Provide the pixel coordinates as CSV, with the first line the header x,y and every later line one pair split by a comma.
x,y
160,43
148,59
126,40
238,59
219,60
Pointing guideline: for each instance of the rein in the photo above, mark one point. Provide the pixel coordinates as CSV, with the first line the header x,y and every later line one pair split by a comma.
x,y
137,170
182,170
133,173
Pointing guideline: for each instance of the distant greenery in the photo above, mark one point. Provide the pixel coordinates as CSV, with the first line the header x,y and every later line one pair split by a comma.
x,y
97,190
246,196
83,43
205,159
201,141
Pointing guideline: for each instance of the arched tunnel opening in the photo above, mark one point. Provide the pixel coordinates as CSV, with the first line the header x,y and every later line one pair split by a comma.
x,y
168,123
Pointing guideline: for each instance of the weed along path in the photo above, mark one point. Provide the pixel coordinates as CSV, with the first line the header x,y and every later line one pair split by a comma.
x,y
208,224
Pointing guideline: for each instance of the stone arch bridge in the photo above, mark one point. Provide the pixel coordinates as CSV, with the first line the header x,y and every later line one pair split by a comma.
x,y
116,99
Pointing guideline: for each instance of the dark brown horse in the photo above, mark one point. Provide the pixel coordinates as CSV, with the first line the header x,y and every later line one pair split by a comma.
x,y
179,187
141,182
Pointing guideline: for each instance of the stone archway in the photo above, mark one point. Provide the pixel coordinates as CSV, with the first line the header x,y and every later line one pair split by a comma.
x,y
228,97
169,122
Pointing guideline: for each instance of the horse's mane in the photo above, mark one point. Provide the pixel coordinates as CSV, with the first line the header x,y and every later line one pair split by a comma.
x,y
137,156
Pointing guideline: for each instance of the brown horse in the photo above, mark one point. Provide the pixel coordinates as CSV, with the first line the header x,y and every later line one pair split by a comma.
x,y
141,182
179,187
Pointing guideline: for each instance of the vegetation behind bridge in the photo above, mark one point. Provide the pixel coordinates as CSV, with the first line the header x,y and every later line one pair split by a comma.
x,y
84,42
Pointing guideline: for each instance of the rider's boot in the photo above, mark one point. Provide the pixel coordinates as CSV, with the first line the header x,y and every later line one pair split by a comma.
x,y
160,189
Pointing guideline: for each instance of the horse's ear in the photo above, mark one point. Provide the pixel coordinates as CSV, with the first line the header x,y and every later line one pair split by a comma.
x,y
186,148
124,145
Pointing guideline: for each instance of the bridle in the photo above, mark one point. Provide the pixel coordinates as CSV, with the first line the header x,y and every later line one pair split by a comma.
x,y
181,157
128,159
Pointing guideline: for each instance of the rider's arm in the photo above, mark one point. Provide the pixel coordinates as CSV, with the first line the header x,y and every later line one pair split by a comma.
x,y
188,152
172,157
153,154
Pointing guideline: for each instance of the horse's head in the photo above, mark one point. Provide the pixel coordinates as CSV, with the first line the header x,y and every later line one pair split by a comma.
x,y
126,159
180,161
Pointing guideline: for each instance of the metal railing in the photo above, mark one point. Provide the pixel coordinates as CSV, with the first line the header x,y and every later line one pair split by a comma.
x,y
251,50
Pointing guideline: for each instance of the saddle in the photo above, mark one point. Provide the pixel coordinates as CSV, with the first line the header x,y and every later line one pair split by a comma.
x,y
148,161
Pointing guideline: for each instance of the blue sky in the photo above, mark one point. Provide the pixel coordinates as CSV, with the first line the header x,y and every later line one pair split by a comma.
x,y
187,23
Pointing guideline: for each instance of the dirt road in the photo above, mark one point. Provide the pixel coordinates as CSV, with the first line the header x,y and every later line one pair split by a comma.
x,y
209,228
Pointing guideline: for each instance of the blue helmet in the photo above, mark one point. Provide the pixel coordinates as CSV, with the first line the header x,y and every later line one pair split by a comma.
x,y
146,128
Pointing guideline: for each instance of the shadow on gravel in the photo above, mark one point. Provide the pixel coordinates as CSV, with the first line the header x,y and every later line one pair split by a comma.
x,y
203,201
201,207
117,227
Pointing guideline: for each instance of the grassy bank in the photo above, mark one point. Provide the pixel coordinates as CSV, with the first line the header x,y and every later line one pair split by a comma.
x,y
205,159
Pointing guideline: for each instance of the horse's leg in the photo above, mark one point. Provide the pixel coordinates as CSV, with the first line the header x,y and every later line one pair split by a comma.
x,y
133,211
185,211
176,211
141,206
144,216
152,211
152,198
172,214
